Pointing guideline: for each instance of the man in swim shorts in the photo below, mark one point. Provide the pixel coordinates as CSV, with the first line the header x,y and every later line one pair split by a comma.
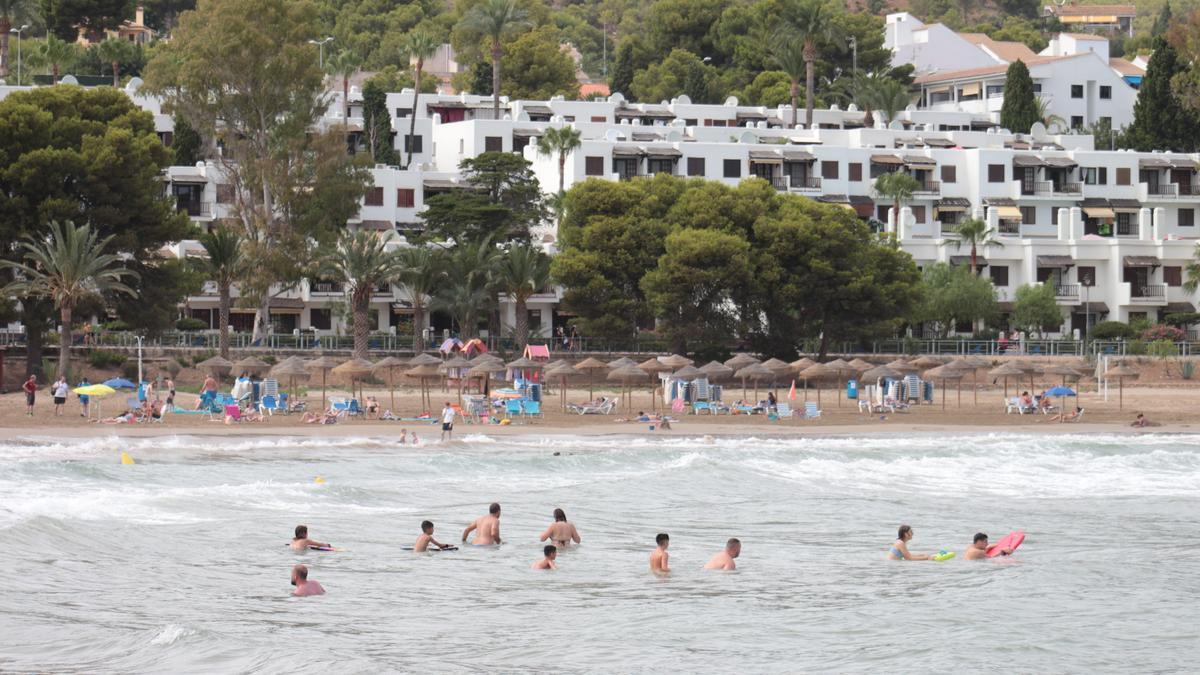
x,y
426,539
547,563
659,559
724,559
978,548
301,542
30,389
486,528
303,585
448,421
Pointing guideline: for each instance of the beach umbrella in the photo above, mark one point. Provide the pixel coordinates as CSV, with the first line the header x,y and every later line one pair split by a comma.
x,y
590,366
816,372
96,391
424,360
688,373
715,370
1006,370
323,364
119,383
904,366
975,363
356,369
484,372
675,361
654,367
290,369
1064,371
740,361
562,371
252,365
880,373
621,363
799,366
928,362
217,366
780,369
752,371
861,364
423,374
524,366
389,365
944,373
841,369
1120,372
454,367
627,375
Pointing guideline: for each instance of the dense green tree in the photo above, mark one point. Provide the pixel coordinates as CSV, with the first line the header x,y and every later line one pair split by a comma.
x,y
1028,9
1019,29
12,13
693,288
1036,309
162,15
622,73
54,56
422,272
344,65
521,272
538,68
114,52
72,263
668,79
418,45
787,52
186,143
496,20
469,290
362,261
501,200
65,18
682,24
224,263
1162,22
953,295
974,234
1161,119
769,88
897,186
377,123
130,59
1019,111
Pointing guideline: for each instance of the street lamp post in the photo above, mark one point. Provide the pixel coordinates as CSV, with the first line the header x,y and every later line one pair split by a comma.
x,y
854,53
321,49
18,32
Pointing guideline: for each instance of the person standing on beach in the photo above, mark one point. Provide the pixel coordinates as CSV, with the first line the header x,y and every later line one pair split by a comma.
x,y
305,586
561,532
30,388
550,552
724,559
83,398
659,559
169,385
448,421
486,528
60,391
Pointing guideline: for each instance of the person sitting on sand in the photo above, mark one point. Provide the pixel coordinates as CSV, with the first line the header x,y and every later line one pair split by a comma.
x,y
561,532
1045,404
1070,417
486,528
126,417
978,548
642,417
660,559
1141,422
372,408
724,559
314,417
304,585
426,538
899,550
301,542
550,552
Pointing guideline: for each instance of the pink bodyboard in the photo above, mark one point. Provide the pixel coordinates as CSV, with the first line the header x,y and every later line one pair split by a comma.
x,y
1011,540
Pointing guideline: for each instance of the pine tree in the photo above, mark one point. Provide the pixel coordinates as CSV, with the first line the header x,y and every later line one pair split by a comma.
x,y
1020,109
1162,22
622,74
377,123
1160,120
696,85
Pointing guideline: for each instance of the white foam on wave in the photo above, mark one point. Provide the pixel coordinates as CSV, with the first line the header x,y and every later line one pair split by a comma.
x,y
172,633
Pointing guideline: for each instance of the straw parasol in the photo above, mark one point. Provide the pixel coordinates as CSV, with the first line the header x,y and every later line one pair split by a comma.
x,y
779,369
252,365
740,361
688,372
816,372
841,368
928,362
356,370
861,364
423,374
424,360
291,369
484,371
621,363
974,363
217,366
590,366
562,370
715,370
943,373
524,366
904,366
653,367
627,375
390,365
753,371
1121,372
675,361
455,367
1064,371
323,364
799,366
1006,370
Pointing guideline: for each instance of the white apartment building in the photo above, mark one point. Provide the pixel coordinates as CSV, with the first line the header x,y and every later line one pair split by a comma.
x,y
1074,75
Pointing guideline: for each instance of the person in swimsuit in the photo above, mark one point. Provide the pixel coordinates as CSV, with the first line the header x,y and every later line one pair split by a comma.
x,y
486,528
724,559
426,539
301,542
448,414
305,586
561,532
899,550
978,548
30,388
659,559
547,563
169,384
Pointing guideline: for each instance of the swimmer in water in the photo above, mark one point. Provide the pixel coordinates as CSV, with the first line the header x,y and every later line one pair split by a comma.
x,y
724,559
305,586
486,528
978,548
426,539
899,550
561,533
659,559
547,563
301,542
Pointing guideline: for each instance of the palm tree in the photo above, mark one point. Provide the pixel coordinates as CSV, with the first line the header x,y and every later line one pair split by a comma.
x,y
522,272
977,234
889,97
421,275
812,23
65,268
899,186
11,11
115,52
363,262
56,55
1047,118
417,46
787,52
560,141
344,64
495,19
469,290
226,262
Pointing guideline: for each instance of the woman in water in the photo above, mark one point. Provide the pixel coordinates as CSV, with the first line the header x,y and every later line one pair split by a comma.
x,y
561,533
899,550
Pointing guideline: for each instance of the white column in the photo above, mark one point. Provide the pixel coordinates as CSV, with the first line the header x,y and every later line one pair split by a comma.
x,y
1145,231
993,217
1064,224
891,221
1076,223
907,220
1160,220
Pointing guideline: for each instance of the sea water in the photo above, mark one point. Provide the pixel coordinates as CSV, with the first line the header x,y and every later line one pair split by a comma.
x,y
178,563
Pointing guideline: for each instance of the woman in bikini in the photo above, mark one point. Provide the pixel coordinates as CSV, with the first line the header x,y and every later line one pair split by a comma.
x,y
561,532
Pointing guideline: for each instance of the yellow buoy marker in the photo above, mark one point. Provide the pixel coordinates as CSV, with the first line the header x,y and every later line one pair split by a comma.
x,y
126,459
320,481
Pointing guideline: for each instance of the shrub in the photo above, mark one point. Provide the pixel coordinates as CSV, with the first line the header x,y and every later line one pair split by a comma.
x,y
99,358
189,323
1163,332
1182,319
1112,330
1162,348
116,325
1136,347
129,370
173,367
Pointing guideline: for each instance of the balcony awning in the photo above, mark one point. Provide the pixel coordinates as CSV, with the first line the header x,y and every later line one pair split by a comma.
x,y
1141,261
1055,261
1027,161
626,151
1179,308
537,109
1009,212
999,201
527,133
891,160
1099,212
762,156
440,184
278,304
920,161
971,89
1125,205
798,156
377,225
1060,162
980,261
939,142
1153,163
1092,308
663,153
1183,163
750,115
953,204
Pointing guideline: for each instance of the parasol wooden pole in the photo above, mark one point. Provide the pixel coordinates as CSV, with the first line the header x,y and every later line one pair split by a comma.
x,y
392,385
975,385
839,391
943,394
1121,392
958,391
323,373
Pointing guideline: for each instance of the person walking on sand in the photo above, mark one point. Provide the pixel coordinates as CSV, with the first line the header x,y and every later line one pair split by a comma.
x,y
659,559
60,391
30,388
561,532
550,552
724,559
448,422
486,528
83,398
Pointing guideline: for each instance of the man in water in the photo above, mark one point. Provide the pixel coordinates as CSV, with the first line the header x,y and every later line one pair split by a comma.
x,y
659,560
978,548
448,421
724,559
487,528
301,542
303,585
547,563
426,539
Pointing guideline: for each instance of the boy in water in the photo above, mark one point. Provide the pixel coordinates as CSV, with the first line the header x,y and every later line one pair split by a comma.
x,y
426,539
659,560
547,563
301,542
